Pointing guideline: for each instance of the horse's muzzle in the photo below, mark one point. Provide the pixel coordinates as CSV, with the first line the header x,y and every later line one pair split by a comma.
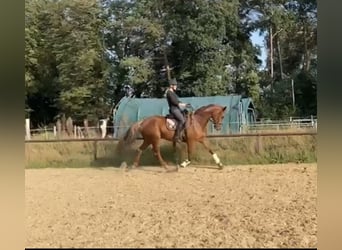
x,y
218,126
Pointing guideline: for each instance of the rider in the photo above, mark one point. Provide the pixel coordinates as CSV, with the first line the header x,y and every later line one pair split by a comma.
x,y
175,108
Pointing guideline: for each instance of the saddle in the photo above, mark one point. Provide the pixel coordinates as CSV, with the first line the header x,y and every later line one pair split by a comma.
x,y
171,121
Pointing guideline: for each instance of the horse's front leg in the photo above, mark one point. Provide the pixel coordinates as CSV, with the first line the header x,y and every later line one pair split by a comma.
x,y
214,155
190,148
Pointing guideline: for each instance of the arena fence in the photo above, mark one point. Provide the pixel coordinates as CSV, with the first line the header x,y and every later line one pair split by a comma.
x,y
97,140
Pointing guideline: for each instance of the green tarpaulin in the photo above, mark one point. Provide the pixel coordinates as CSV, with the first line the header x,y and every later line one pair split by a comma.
x,y
130,110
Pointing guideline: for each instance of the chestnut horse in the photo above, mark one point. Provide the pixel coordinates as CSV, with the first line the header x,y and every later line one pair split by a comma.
x,y
154,128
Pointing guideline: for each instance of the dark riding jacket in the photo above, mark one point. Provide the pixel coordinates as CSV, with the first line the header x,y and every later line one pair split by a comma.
x,y
175,110
172,99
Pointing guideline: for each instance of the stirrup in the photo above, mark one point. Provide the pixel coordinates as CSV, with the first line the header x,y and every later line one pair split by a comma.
x,y
177,139
182,135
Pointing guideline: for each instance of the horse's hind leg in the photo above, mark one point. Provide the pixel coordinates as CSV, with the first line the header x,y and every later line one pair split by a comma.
x,y
142,147
156,151
176,154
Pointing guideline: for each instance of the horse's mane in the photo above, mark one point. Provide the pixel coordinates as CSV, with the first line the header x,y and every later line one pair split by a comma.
x,y
201,109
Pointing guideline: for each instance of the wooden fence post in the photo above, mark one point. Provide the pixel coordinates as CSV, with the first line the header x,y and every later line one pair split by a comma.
x,y
86,129
75,131
46,133
59,128
69,126
64,125
95,150
258,144
103,128
27,129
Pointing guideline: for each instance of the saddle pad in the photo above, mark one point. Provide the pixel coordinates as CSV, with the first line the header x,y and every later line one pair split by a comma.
x,y
171,123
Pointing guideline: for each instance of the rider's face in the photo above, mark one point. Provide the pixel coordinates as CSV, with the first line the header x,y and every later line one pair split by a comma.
x,y
174,87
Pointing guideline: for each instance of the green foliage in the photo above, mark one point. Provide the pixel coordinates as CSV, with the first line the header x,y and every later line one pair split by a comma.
x,y
277,101
79,54
305,92
139,70
65,62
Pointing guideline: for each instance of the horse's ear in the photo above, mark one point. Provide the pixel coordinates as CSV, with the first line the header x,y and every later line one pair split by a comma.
x,y
224,108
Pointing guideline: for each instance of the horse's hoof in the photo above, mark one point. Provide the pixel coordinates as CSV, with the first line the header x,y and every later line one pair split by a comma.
x,y
220,166
134,166
123,165
185,163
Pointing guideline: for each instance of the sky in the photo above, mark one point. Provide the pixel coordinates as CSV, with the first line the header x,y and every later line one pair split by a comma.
x,y
259,40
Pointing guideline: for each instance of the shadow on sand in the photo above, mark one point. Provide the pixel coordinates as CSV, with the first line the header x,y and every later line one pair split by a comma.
x,y
109,157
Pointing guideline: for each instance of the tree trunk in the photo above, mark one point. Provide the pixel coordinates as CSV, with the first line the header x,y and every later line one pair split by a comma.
x,y
306,63
280,58
167,66
271,53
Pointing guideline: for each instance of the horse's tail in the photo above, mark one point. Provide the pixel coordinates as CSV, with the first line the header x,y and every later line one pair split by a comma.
x,y
132,133
130,136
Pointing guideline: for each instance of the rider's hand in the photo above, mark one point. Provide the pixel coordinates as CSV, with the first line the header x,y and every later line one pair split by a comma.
x,y
182,105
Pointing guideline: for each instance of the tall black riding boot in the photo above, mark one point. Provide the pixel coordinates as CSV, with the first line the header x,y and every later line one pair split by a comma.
x,y
176,137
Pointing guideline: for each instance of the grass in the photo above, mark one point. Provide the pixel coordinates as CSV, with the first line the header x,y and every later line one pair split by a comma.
x,y
231,151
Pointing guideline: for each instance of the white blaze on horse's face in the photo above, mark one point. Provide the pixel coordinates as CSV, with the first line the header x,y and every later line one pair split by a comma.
x,y
218,118
218,124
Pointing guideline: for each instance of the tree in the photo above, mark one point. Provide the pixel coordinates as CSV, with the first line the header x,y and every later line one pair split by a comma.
x,y
71,74
80,54
78,48
290,29
40,73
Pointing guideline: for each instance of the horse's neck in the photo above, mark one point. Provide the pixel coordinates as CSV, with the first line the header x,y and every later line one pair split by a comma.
x,y
203,119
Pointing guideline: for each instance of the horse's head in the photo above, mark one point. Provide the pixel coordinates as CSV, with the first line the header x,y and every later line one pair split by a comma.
x,y
217,116
212,112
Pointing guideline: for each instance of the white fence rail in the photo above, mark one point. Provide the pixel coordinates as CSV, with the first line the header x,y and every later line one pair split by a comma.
x,y
284,125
